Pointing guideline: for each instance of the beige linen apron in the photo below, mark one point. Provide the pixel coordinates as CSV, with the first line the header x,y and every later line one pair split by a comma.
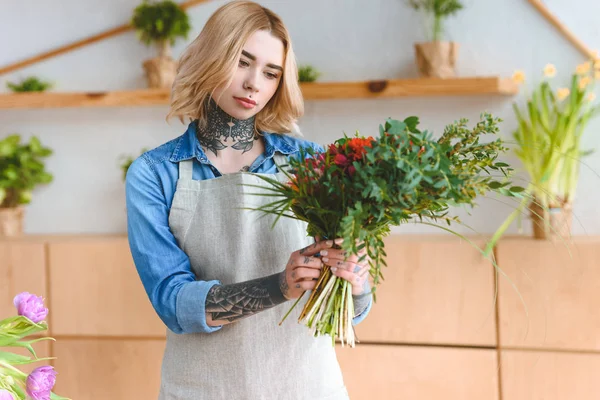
x,y
254,358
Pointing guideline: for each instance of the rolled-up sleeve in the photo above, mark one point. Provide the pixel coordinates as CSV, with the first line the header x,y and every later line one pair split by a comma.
x,y
164,268
360,317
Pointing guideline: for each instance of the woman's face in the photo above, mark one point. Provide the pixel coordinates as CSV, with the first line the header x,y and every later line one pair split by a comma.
x,y
256,78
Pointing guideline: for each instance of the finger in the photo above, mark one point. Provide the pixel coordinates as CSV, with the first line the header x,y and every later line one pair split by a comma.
x,y
316,247
351,277
305,285
302,273
341,264
340,255
307,261
364,272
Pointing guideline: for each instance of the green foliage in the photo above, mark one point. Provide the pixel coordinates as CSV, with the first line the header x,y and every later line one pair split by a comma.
x,y
30,84
548,142
308,73
362,186
160,22
438,11
126,161
21,169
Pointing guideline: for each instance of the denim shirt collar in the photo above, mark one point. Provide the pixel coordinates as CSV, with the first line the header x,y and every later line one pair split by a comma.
x,y
188,146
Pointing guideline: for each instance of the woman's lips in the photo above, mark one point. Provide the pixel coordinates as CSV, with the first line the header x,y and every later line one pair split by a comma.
x,y
245,102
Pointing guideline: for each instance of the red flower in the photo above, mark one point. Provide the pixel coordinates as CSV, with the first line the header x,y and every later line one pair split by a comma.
x,y
358,147
341,160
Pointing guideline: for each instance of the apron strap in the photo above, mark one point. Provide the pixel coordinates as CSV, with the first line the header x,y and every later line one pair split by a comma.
x,y
185,169
281,161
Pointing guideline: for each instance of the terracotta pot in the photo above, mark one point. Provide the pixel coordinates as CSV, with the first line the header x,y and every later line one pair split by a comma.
x,y
436,59
557,224
11,221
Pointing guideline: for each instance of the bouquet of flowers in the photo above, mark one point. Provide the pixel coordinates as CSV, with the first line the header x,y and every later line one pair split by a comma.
x,y
361,186
15,384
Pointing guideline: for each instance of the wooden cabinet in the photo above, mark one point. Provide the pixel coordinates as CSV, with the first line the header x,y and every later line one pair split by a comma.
x,y
412,372
431,335
436,291
22,269
543,375
96,290
115,369
550,297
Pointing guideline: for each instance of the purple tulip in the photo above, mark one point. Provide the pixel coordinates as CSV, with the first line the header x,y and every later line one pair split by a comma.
x,y
6,395
40,382
30,306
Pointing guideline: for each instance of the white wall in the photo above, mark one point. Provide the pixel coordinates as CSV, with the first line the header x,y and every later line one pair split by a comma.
x,y
345,39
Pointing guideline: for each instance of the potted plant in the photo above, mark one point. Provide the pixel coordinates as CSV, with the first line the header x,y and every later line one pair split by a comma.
x,y
21,169
436,57
126,160
30,84
160,23
548,143
308,73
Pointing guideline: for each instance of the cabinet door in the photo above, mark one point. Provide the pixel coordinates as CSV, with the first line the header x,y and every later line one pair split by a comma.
x,y
22,269
545,375
550,296
96,291
412,372
92,369
437,290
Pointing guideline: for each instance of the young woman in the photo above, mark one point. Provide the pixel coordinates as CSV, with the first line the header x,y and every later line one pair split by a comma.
x,y
217,275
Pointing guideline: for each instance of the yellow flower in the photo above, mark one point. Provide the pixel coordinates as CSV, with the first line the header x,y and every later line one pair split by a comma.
x,y
591,97
549,70
562,93
597,75
583,68
519,76
584,82
596,64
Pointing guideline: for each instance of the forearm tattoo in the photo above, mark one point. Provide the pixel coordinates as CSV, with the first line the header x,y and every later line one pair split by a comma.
x,y
240,300
222,131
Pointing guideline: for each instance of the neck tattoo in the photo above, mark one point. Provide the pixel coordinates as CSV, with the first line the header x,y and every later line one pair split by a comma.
x,y
222,131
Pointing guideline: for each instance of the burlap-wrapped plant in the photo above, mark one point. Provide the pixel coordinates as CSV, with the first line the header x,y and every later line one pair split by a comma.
x,y
21,170
436,58
160,24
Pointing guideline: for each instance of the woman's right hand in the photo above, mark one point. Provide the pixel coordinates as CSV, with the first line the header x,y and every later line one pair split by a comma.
x,y
303,269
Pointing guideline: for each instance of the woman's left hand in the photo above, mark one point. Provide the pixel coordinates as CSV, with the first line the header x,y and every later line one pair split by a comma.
x,y
348,267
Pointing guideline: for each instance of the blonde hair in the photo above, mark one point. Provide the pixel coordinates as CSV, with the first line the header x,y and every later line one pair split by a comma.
x,y
211,60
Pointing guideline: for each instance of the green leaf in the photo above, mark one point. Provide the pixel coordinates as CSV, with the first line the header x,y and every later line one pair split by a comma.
x,y
412,123
13,358
497,185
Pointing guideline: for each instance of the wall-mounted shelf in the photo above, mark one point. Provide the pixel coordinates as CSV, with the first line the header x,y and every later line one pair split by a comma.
x,y
311,91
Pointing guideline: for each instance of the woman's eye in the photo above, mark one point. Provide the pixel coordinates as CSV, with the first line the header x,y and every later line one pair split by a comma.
x,y
243,63
271,76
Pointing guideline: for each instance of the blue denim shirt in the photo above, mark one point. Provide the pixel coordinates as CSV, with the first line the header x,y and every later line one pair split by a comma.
x,y
164,268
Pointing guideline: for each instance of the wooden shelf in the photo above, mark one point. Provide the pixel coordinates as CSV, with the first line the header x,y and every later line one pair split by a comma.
x,y
311,91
